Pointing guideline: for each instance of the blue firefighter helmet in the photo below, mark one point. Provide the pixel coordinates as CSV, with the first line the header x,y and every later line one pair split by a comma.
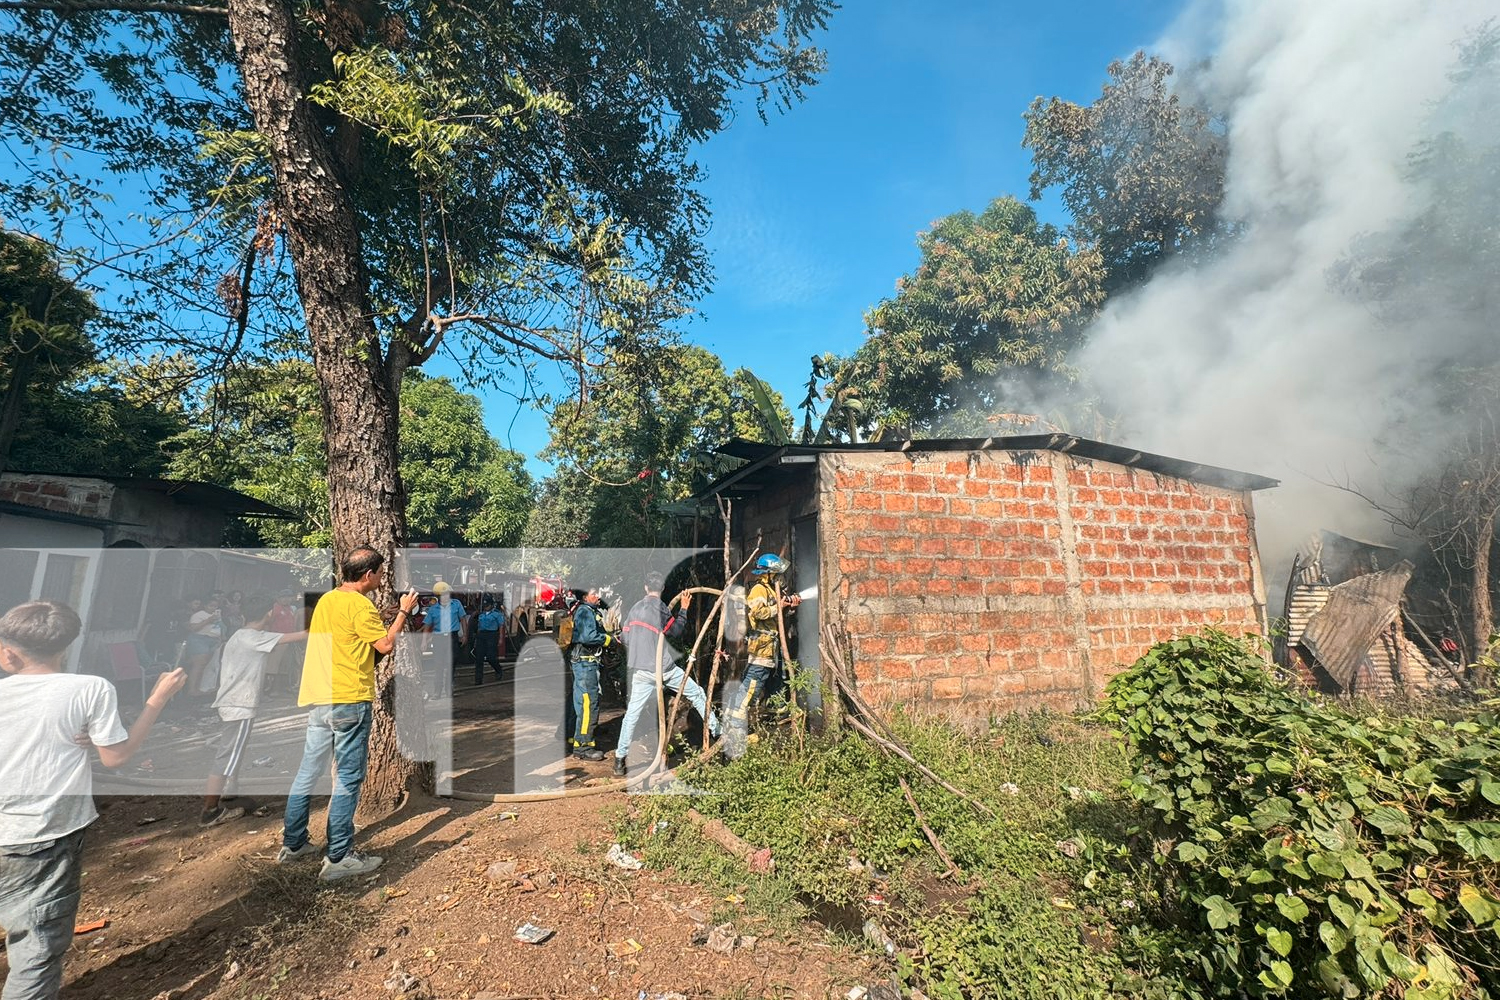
x,y
770,563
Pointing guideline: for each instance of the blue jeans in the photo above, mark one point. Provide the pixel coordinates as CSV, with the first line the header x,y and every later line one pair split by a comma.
x,y
38,903
643,689
342,732
761,681
585,701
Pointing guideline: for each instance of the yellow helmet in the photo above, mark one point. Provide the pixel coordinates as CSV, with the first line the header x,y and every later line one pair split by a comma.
x,y
441,587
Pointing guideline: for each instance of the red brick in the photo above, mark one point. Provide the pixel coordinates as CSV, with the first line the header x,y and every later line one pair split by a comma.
x,y
885,522
909,645
866,501
899,503
942,642
931,505
947,687
916,484
848,479
895,669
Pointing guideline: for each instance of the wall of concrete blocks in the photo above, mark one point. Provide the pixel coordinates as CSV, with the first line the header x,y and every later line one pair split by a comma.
x,y
990,581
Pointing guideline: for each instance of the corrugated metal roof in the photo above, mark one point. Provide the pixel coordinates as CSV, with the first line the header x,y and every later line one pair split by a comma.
x,y
762,455
1306,601
1341,633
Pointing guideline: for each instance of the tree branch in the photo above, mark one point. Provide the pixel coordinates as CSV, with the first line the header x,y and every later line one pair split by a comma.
x,y
116,7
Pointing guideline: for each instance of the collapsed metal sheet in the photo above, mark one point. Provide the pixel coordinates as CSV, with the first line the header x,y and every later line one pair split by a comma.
x,y
1341,633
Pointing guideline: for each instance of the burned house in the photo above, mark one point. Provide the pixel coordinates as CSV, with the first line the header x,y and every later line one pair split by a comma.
x,y
977,576
1345,630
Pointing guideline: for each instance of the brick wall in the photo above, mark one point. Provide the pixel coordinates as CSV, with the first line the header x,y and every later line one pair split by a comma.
x,y
68,495
989,581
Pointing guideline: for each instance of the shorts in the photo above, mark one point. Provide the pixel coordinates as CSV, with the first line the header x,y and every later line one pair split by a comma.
x,y
236,735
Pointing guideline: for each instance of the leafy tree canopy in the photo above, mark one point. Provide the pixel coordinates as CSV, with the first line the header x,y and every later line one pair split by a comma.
x,y
1140,169
262,435
64,411
997,297
512,169
646,438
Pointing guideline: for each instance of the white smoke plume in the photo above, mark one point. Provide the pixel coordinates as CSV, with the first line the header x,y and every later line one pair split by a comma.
x,y
1256,359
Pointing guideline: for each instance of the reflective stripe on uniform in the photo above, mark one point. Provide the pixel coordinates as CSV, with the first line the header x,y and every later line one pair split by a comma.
x,y
743,712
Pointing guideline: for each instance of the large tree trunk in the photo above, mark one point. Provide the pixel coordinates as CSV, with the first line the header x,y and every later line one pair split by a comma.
x,y
359,399
1482,619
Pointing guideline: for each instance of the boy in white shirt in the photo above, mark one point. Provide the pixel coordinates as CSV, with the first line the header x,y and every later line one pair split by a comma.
x,y
48,721
242,667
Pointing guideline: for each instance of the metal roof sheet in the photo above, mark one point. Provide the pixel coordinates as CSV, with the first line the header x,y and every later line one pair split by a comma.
x,y
760,455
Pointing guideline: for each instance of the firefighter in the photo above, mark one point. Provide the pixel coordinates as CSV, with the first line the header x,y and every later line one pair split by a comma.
x,y
589,642
763,677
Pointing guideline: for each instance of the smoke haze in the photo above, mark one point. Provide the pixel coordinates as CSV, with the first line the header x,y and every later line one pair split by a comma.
x,y
1258,359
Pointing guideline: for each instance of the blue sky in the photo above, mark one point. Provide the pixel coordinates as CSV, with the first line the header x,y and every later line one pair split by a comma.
x,y
815,214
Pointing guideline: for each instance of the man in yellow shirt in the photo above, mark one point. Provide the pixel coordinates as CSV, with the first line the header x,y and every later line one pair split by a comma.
x,y
338,682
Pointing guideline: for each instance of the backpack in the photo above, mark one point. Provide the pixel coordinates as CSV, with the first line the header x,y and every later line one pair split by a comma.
x,y
614,619
565,631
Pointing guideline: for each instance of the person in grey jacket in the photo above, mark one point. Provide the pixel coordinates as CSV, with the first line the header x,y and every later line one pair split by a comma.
x,y
645,623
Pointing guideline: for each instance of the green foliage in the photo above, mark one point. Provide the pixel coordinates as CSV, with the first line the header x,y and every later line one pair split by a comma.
x,y
43,315
266,438
646,437
1309,852
72,414
1141,170
94,427
1019,920
998,300
523,179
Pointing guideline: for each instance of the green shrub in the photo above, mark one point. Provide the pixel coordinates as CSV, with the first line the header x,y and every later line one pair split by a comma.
x,y
997,930
1310,852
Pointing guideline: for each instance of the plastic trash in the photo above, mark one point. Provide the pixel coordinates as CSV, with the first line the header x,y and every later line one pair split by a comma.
x,y
621,858
532,933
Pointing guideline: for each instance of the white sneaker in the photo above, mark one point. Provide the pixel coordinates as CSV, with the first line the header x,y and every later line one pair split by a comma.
x,y
307,850
349,865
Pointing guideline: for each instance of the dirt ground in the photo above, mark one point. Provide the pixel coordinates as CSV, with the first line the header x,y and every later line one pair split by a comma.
x,y
194,913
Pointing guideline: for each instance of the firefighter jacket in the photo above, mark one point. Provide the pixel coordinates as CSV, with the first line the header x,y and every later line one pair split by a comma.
x,y
644,622
589,637
763,636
